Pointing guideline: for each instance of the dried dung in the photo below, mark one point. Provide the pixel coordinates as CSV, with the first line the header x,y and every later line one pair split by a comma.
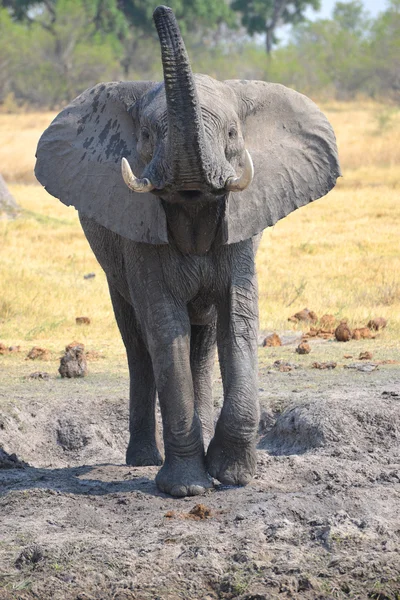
x,y
304,315
343,332
324,365
377,323
272,340
38,375
325,334
365,355
74,344
37,353
362,333
303,348
199,512
284,367
82,320
73,363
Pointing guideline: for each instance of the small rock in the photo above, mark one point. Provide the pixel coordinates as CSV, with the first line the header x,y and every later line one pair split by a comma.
x,y
324,365
377,323
304,315
272,340
82,320
73,363
343,332
38,353
303,348
365,355
89,276
362,333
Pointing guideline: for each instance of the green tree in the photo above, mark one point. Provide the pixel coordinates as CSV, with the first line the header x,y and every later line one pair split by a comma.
x,y
385,47
265,16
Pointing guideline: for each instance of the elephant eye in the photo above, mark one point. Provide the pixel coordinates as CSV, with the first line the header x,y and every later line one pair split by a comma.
x,y
145,134
232,133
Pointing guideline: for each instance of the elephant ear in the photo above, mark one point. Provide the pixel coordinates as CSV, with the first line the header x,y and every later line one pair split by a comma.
x,y
294,151
79,162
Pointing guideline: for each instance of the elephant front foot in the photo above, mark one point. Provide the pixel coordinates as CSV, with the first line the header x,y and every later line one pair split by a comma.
x,y
142,454
183,476
231,464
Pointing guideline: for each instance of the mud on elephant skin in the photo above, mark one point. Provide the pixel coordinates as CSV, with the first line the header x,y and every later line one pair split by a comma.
x,y
206,166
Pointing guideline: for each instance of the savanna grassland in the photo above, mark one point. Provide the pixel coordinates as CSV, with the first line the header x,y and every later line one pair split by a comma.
x,y
340,255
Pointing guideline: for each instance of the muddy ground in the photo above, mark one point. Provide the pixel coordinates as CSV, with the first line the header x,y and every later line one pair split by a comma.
x,y
320,520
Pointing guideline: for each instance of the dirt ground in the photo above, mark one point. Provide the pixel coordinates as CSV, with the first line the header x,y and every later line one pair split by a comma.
x,y
321,519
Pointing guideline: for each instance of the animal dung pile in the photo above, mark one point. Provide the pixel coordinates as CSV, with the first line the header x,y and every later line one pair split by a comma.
x,y
365,355
284,367
198,513
272,340
324,365
73,363
303,348
377,323
304,315
362,333
41,375
82,320
37,353
9,349
343,332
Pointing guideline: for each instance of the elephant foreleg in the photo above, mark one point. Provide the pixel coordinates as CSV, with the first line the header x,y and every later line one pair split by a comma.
x,y
143,448
231,456
183,472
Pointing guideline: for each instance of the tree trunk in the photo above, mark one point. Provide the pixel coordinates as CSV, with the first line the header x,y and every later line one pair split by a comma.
x,y
8,206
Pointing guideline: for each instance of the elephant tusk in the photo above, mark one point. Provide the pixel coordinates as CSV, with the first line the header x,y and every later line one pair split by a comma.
x,y
238,184
133,183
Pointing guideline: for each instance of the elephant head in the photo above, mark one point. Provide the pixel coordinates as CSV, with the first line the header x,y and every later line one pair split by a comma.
x,y
188,139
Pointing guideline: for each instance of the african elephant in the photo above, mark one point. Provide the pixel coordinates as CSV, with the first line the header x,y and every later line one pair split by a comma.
x,y
178,240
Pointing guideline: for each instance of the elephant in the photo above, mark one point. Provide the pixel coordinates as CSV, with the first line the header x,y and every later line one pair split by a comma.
x,y
174,182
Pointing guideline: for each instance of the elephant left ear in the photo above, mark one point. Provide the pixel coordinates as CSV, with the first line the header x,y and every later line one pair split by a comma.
x,y
294,152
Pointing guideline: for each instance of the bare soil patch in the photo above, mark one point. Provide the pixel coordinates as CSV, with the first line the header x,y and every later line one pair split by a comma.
x,y
321,519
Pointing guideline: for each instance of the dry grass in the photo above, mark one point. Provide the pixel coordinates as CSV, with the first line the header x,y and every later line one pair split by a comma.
x,y
340,255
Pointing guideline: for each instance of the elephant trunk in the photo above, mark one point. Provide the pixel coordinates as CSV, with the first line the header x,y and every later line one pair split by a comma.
x,y
189,158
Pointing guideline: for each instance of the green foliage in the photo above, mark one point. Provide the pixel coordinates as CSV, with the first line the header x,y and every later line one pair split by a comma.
x,y
52,50
264,16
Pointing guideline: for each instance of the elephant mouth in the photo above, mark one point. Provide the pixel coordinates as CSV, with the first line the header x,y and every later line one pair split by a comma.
x,y
185,192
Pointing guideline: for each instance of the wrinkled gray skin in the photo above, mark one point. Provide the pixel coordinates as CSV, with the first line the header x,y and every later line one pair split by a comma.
x,y
180,261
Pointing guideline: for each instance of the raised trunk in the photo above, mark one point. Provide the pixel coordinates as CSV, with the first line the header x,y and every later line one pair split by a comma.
x,y
187,146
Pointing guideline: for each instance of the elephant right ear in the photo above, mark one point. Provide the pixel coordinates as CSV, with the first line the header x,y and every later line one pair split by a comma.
x,y
79,162
294,152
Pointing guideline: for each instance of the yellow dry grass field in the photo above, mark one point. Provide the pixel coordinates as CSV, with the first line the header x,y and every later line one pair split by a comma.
x,y
340,255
